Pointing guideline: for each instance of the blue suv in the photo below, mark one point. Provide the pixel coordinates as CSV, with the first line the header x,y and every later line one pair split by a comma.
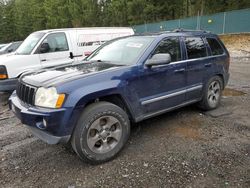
x,y
90,104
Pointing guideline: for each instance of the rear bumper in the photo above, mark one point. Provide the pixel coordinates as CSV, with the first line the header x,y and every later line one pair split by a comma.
x,y
48,125
8,84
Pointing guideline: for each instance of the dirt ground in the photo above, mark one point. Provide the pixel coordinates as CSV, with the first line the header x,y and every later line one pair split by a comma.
x,y
183,148
237,44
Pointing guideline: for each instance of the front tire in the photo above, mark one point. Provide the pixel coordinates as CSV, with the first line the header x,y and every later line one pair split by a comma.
x,y
212,94
101,132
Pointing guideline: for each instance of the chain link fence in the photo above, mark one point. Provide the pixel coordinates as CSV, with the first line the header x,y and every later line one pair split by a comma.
x,y
236,21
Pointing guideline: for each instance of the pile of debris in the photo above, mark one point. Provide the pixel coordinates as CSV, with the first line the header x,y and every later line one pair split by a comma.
x,y
238,45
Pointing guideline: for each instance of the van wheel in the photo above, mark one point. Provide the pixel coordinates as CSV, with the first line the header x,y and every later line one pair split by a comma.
x,y
212,94
101,132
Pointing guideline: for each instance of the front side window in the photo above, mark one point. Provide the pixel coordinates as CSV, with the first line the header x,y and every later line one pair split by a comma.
x,y
215,47
195,47
55,42
170,46
29,43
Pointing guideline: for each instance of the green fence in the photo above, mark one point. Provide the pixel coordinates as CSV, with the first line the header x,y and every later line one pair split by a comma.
x,y
237,21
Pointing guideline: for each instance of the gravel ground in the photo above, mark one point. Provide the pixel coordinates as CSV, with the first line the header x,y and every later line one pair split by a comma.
x,y
183,148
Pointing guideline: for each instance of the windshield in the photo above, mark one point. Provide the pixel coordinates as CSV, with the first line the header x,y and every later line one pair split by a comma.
x,y
5,47
29,43
124,51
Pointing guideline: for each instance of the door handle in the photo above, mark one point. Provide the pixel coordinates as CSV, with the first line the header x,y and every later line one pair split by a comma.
x,y
179,70
208,64
43,60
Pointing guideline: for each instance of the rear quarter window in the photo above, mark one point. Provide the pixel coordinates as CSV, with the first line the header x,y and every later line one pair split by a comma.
x,y
215,46
195,47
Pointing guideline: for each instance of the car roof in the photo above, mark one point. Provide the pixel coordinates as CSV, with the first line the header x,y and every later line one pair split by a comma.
x,y
83,28
179,32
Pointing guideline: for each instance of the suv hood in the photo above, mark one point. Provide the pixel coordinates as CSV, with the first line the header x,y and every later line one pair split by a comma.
x,y
60,74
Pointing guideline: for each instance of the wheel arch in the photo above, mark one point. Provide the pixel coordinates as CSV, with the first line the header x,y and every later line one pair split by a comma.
x,y
222,79
114,98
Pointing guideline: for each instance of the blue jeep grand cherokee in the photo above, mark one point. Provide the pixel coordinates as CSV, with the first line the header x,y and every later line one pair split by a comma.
x,y
90,104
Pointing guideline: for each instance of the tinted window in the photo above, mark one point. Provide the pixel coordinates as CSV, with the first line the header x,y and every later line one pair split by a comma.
x,y
215,46
171,46
195,47
57,42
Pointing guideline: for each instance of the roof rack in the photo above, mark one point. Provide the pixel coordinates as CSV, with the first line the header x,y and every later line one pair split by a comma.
x,y
189,30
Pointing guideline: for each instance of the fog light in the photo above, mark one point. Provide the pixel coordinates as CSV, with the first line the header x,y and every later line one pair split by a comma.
x,y
44,122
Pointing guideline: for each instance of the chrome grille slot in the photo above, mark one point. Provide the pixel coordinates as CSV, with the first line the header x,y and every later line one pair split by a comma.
x,y
26,93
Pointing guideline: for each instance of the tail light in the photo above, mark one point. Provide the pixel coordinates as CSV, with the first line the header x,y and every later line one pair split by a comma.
x,y
228,63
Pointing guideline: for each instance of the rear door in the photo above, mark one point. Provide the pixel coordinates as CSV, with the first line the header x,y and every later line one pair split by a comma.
x,y
196,58
219,59
57,52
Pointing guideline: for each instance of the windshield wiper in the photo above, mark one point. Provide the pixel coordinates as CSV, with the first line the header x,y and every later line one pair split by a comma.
x,y
117,64
98,60
107,62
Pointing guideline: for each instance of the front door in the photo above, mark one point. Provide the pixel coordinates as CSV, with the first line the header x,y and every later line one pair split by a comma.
x,y
163,86
54,50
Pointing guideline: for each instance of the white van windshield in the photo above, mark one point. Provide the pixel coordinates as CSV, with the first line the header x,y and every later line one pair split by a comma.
x,y
29,43
5,47
124,51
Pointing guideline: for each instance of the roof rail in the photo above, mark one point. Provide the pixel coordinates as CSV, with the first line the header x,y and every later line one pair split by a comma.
x,y
189,30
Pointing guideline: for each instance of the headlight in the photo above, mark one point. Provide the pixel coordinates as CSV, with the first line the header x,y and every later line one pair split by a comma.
x,y
49,98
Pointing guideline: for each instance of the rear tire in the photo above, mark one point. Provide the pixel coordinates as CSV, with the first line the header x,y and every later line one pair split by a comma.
x,y
212,94
101,132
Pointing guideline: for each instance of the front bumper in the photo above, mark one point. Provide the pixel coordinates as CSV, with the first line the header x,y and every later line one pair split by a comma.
x,y
8,84
48,138
50,125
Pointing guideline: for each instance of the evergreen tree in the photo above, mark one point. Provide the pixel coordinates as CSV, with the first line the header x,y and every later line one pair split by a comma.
x,y
18,18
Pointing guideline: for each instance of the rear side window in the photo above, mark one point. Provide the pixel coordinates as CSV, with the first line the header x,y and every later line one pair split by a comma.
x,y
195,47
171,46
215,47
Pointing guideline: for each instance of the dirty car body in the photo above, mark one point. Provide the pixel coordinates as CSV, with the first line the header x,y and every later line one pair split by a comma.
x,y
144,75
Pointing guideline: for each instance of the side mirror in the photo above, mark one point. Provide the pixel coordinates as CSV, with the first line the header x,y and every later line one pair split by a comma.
x,y
44,48
158,59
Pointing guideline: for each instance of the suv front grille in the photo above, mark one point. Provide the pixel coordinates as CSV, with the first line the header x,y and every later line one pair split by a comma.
x,y
26,93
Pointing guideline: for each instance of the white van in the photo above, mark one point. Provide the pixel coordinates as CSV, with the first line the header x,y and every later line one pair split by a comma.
x,y
53,47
